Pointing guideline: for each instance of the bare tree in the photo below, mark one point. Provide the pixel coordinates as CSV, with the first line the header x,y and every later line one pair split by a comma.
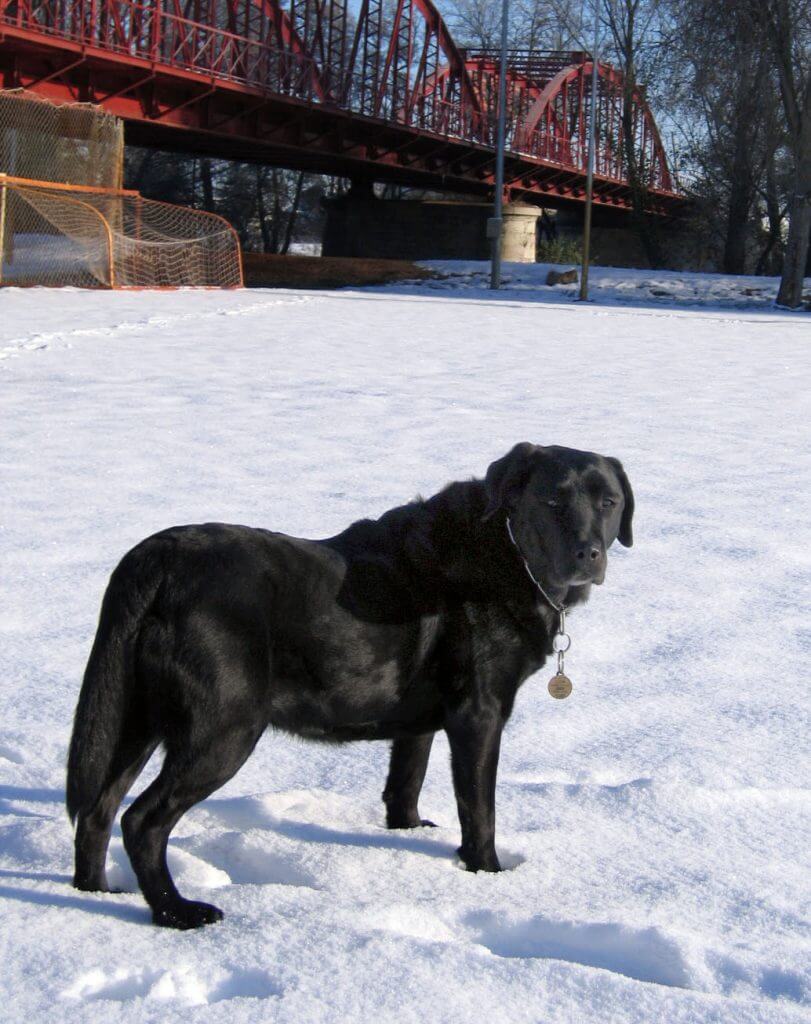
x,y
534,24
788,28
543,24
776,209
277,222
476,23
634,33
727,113
207,182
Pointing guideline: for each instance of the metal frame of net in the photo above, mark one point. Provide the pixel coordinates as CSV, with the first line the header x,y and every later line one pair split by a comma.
x,y
65,220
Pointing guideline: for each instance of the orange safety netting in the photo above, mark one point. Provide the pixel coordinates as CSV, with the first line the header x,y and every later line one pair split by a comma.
x,y
65,220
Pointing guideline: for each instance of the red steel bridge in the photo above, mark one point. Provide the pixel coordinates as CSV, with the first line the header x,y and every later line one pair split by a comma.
x,y
374,91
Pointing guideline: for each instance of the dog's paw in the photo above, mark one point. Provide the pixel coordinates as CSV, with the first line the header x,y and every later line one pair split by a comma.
x,y
396,820
92,883
187,914
473,861
420,823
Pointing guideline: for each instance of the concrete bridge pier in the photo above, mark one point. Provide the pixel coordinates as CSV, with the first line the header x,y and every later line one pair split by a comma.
x,y
519,237
357,224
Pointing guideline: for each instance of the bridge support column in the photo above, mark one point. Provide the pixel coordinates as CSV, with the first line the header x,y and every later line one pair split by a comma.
x,y
424,230
519,236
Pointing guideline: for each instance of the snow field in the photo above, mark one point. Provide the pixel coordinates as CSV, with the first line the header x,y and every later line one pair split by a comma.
x,y
654,826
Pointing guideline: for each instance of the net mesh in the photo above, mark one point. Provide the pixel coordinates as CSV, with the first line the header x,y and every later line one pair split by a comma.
x,y
58,241
75,143
65,220
114,240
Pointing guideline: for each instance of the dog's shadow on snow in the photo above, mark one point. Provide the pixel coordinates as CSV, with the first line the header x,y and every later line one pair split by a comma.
x,y
405,839
92,905
10,795
243,813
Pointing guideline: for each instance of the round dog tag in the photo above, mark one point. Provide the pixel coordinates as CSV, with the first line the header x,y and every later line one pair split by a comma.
x,y
560,686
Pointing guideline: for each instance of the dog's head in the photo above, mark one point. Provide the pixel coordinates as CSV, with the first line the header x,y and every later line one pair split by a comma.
x,y
566,508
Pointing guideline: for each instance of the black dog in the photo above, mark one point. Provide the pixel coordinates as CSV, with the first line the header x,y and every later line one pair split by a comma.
x,y
424,619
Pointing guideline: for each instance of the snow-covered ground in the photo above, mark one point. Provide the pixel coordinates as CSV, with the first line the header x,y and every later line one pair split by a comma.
x,y
655,825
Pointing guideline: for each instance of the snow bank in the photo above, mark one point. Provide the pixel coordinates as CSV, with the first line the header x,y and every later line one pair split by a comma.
x,y
611,286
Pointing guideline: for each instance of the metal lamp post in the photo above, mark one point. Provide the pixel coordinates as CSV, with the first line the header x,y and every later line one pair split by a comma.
x,y
584,272
495,226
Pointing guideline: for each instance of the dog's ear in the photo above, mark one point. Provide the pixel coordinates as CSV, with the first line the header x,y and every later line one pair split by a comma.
x,y
506,477
626,534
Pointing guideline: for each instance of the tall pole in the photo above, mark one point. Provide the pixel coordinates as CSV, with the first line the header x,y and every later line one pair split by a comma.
x,y
495,227
3,191
584,273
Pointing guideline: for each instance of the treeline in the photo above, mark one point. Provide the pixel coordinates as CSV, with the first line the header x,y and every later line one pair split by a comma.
x,y
729,82
270,208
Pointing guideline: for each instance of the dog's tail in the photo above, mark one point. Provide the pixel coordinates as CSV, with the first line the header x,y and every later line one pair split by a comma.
x,y
108,689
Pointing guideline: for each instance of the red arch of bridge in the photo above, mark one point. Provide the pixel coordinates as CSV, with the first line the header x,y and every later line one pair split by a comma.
x,y
543,113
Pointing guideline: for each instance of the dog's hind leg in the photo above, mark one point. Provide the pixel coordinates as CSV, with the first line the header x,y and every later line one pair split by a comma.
x,y
193,770
409,761
93,828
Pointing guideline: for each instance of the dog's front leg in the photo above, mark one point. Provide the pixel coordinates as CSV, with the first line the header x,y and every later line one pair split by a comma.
x,y
409,760
475,738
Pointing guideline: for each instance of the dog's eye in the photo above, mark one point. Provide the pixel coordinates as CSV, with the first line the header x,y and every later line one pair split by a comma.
x,y
608,503
553,504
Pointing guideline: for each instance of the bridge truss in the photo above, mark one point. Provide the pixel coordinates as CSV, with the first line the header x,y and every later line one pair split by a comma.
x,y
374,92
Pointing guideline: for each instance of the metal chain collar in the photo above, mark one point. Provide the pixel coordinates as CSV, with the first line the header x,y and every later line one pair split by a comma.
x,y
561,641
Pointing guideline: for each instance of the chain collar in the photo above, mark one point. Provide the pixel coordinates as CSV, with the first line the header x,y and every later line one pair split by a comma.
x,y
559,608
561,641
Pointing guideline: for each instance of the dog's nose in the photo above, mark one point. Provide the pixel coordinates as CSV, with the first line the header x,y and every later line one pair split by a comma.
x,y
588,553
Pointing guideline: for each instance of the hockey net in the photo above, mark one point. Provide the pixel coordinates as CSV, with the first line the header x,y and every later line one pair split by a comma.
x,y
53,235
65,220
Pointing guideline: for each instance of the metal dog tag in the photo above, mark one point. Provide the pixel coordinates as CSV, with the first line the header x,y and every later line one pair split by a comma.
x,y
560,686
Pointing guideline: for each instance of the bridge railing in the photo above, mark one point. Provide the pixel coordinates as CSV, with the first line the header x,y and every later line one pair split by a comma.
x,y
151,33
